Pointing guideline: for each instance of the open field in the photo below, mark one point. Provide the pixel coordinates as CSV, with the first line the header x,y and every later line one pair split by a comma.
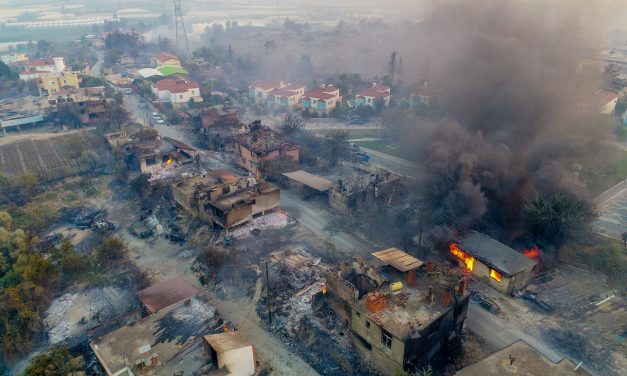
x,y
49,157
356,132
383,147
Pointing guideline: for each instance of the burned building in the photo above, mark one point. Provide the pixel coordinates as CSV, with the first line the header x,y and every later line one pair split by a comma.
x,y
85,104
401,312
218,116
261,144
368,183
148,152
500,266
520,358
224,199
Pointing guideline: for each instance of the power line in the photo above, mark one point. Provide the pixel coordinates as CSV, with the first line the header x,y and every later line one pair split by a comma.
x,y
181,35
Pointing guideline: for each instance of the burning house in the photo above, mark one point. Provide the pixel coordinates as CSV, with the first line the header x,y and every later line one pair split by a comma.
x,y
224,199
86,104
150,153
500,266
401,312
261,144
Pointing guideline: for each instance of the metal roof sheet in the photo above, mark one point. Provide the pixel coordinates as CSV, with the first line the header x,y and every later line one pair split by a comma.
x,y
314,181
495,254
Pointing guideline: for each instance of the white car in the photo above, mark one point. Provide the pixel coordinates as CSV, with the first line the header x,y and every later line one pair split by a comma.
x,y
155,114
160,121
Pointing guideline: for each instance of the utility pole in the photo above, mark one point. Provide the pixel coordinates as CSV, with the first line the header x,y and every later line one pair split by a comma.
x,y
268,295
420,232
181,35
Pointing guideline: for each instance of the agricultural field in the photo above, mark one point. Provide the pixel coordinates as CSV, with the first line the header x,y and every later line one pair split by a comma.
x,y
50,157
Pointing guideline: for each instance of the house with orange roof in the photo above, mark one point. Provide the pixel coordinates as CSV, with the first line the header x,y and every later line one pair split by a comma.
x,y
259,90
425,95
288,97
378,93
322,100
165,59
177,91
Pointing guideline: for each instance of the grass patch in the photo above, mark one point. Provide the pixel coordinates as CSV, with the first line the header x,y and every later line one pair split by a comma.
x,y
355,133
383,147
605,169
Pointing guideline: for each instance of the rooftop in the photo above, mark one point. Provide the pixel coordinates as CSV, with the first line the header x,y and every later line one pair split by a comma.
x,y
149,72
495,254
314,181
527,361
226,341
166,293
326,92
174,86
230,200
398,259
377,91
161,335
603,97
269,85
287,91
39,62
410,311
162,56
168,70
262,140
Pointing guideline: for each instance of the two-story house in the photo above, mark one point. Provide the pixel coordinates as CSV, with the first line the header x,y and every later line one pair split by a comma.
x,y
261,144
34,69
378,93
260,90
177,92
322,100
288,97
165,59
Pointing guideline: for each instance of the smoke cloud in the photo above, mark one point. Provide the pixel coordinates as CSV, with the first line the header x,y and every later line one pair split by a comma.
x,y
509,73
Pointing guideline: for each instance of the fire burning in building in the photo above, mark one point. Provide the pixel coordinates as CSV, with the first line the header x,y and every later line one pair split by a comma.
x,y
533,253
463,256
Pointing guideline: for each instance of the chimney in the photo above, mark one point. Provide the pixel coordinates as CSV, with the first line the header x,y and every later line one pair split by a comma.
x,y
446,298
374,84
461,287
323,86
430,297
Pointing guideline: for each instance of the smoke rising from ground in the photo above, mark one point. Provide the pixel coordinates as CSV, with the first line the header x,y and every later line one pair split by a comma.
x,y
508,70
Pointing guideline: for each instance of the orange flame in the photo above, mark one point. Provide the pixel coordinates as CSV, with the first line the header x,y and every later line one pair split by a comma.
x,y
532,253
495,275
324,291
463,256
167,163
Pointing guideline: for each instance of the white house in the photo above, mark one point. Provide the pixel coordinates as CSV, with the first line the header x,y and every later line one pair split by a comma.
x,y
230,352
259,91
374,94
177,91
287,97
14,57
39,67
322,100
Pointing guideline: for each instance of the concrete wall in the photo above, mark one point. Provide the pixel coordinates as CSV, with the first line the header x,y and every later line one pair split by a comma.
x,y
388,361
266,202
239,362
507,285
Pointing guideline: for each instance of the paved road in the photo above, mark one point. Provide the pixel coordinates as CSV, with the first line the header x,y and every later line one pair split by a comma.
x,y
318,221
612,208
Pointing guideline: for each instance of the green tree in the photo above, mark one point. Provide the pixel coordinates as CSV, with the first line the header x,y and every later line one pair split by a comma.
x,y
58,361
558,218
291,124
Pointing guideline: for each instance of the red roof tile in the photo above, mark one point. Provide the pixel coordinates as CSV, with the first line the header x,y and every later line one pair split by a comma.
x,y
39,62
163,56
287,91
322,93
603,97
166,293
378,91
174,86
268,85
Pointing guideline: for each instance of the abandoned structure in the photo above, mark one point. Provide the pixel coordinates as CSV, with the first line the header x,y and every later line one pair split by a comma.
x,y
500,266
261,144
231,352
224,199
150,153
401,312
85,104
368,183
165,293
520,358
218,116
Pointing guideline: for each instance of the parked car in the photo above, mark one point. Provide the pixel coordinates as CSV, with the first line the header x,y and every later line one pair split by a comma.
x,y
160,121
128,91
